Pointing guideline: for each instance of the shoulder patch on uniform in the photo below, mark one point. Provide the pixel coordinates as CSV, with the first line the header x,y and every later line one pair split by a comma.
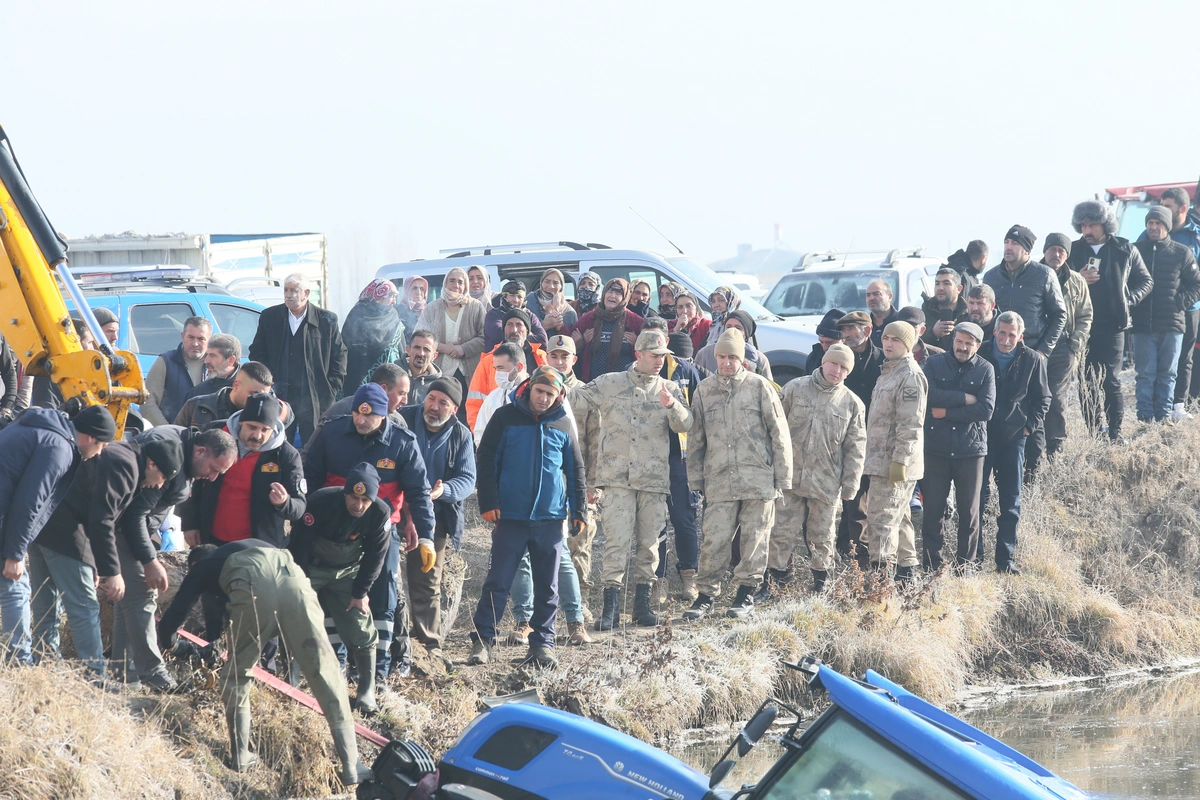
x,y
309,519
911,394
270,466
385,463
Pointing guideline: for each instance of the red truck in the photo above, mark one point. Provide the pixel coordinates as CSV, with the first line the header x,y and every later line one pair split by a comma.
x,y
1132,202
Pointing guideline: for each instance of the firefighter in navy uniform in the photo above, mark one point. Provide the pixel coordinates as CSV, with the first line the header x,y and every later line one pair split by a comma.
x,y
367,435
340,543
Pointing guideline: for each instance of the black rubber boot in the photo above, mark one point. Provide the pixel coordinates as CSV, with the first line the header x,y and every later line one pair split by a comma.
x,y
743,604
610,617
642,615
702,606
819,578
904,576
763,594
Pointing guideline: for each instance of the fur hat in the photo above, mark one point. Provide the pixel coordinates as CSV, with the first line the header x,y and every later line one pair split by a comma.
x,y
1162,214
840,354
902,331
1093,212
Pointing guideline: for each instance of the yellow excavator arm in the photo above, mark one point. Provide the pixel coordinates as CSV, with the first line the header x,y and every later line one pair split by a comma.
x,y
33,312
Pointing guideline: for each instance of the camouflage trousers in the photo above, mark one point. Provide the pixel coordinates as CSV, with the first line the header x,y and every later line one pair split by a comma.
x,y
630,518
581,548
890,533
721,522
813,519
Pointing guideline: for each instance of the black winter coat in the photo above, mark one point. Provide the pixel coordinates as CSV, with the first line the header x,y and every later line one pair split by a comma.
x,y
933,314
1125,275
457,470
324,357
1176,287
1022,394
962,433
960,262
84,526
1036,296
327,518
38,462
278,465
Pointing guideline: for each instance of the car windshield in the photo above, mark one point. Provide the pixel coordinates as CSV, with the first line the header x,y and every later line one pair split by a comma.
x,y
846,761
1133,220
708,280
813,293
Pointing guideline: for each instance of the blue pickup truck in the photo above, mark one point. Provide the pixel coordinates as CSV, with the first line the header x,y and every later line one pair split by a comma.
x,y
152,303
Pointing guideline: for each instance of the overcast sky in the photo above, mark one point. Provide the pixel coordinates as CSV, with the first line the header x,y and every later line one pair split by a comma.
x,y
401,129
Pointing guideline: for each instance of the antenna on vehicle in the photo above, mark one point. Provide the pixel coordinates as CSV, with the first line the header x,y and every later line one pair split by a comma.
x,y
847,256
656,230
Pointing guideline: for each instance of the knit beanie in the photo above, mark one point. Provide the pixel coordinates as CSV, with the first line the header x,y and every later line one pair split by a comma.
x,y
1022,236
839,354
518,313
1162,214
449,387
731,343
362,481
680,344
261,407
96,422
1057,240
104,315
167,455
902,331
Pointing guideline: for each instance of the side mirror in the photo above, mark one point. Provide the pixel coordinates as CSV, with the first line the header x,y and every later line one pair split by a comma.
x,y
719,772
755,728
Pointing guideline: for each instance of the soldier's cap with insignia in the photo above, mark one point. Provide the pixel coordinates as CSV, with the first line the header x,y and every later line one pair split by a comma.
x,y
371,399
261,407
362,481
652,342
560,342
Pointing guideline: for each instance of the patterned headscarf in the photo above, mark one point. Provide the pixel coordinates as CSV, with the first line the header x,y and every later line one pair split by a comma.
x,y
380,290
732,303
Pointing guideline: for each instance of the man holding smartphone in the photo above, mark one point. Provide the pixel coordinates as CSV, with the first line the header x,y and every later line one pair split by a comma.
x,y
1117,280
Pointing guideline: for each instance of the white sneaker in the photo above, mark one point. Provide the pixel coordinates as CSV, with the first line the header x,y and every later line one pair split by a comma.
x,y
1179,414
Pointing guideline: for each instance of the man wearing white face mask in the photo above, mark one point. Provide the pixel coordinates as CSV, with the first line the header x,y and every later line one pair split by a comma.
x,y
510,372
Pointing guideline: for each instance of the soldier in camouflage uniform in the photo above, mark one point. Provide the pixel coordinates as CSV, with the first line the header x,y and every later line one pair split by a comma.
x,y
626,442
740,456
829,438
895,451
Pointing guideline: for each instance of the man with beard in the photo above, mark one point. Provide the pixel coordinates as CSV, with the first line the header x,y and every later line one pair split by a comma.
x,y
446,446
202,410
176,372
1117,281
422,372
517,324
1030,289
981,308
512,298
879,304
945,309
221,361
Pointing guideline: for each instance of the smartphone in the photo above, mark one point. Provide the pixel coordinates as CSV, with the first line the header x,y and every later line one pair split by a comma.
x,y
1093,264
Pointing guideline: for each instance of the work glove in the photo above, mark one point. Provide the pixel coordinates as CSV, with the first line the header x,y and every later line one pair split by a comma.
x,y
898,472
578,526
428,554
492,516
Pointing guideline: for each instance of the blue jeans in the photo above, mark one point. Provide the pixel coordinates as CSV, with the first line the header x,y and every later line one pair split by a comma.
x,y
681,506
568,588
1156,359
510,541
14,620
61,582
1007,463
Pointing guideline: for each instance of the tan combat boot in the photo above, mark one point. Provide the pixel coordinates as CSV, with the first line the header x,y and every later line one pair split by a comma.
x,y
519,636
577,634
688,593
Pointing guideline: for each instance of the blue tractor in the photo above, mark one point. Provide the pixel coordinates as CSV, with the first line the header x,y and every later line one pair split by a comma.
x,y
875,742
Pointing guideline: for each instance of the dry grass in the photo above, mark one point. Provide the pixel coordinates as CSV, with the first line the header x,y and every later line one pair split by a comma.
x,y
1110,556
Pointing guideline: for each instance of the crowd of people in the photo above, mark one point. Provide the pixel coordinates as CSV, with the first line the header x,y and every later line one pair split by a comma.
x,y
329,471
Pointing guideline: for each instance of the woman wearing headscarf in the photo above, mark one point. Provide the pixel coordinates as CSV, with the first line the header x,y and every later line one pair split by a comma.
x,y
690,319
587,293
457,319
549,304
723,300
411,304
479,283
639,299
373,334
756,360
666,299
606,334
511,296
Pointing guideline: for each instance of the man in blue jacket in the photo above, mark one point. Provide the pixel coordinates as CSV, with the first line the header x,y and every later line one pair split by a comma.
x,y
531,480
962,395
367,435
449,454
38,457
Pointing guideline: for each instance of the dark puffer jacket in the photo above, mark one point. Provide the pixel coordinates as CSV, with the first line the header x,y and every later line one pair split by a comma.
x,y
1033,293
962,433
1022,394
1125,276
1176,287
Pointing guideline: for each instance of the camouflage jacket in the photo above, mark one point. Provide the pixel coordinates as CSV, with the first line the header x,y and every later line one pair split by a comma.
x,y
626,432
829,437
896,424
739,447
